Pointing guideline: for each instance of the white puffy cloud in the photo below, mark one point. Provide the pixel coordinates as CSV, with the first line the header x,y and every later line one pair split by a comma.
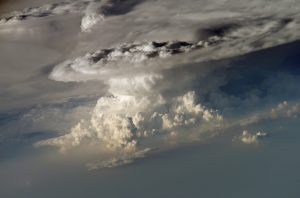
x,y
282,110
89,20
129,117
285,109
72,139
249,138
122,121
91,17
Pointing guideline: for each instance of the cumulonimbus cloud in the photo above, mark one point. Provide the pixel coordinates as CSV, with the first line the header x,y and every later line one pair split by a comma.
x,y
141,102
122,121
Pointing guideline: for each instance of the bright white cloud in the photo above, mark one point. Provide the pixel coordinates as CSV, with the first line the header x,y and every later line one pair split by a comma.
x,y
103,62
91,16
122,121
249,138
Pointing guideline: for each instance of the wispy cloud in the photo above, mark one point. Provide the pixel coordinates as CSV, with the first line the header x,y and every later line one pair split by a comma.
x,y
120,161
